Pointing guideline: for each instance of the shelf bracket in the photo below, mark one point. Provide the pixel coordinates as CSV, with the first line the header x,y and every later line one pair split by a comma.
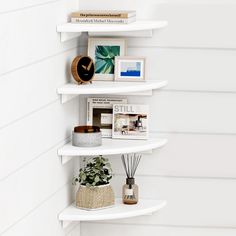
x,y
67,97
66,224
65,159
65,36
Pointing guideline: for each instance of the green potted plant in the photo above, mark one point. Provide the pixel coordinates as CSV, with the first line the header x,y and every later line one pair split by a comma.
x,y
95,191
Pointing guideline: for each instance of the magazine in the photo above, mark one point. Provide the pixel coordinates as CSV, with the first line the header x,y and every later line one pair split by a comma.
x,y
99,113
130,121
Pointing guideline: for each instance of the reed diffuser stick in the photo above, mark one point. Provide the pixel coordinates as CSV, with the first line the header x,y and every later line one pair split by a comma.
x,y
130,163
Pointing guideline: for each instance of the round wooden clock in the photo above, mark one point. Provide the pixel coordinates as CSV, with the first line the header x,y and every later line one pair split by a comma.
x,y
83,69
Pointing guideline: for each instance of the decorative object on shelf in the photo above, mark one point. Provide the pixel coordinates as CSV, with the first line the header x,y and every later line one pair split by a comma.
x,y
130,69
130,194
86,136
99,113
103,20
103,17
103,14
103,51
95,191
130,121
83,69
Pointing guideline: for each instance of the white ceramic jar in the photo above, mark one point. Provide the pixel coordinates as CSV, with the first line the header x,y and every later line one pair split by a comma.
x,y
86,136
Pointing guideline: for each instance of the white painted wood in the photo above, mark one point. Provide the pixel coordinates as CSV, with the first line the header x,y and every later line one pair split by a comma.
x,y
177,111
15,5
33,122
106,28
67,97
189,155
42,220
90,228
132,34
136,26
99,87
31,139
208,204
36,37
190,69
33,90
185,28
191,112
119,211
191,201
112,147
69,36
30,186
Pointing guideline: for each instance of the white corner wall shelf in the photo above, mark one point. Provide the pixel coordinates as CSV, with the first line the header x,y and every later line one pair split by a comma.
x,y
136,29
119,211
71,90
111,147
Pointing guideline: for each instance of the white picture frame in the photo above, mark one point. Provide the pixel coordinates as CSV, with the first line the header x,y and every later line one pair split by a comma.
x,y
100,49
130,69
130,121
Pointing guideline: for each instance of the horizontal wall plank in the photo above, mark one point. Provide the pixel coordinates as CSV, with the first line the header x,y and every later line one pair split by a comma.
x,y
33,86
44,219
191,202
188,69
27,38
14,5
27,138
178,111
189,155
191,69
189,22
140,230
191,112
30,186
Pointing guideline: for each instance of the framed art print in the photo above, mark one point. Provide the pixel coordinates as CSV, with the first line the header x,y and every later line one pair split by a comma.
x,y
103,52
130,121
130,68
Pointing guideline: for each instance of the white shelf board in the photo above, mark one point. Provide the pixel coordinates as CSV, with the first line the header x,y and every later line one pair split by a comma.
x,y
118,211
111,147
71,90
139,29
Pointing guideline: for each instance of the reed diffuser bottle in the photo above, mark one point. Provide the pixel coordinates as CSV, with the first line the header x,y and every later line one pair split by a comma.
x,y
130,190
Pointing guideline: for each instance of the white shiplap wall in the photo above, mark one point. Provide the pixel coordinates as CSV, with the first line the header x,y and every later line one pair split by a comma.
x,y
34,186
196,171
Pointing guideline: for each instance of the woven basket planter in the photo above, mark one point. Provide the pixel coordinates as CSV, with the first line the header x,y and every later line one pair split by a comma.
x,y
94,198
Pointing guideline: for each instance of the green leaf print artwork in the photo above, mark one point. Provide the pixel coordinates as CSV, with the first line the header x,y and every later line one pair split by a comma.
x,y
105,59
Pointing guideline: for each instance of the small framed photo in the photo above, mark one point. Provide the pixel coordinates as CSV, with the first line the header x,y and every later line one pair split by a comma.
x,y
103,52
130,121
130,69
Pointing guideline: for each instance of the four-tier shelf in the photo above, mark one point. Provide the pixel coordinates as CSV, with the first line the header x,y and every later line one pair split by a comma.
x,y
110,146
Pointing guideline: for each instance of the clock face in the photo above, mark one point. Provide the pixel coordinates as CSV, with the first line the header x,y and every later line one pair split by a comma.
x,y
83,69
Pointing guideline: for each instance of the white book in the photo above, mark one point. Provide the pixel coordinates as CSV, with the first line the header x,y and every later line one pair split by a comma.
x,y
130,121
100,113
103,20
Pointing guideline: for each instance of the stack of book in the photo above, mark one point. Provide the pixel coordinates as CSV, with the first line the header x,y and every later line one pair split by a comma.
x,y
103,17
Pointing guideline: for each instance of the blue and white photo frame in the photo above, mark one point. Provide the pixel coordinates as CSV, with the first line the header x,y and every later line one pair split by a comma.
x,y
130,68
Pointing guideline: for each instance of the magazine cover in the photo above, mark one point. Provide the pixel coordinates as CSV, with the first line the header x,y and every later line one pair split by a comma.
x,y
99,113
130,121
